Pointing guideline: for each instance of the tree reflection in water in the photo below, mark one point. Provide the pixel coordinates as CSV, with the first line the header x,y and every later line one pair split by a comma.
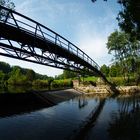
x,y
125,124
82,132
82,102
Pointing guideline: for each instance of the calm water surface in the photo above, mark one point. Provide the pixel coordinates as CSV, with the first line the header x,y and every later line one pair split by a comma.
x,y
117,119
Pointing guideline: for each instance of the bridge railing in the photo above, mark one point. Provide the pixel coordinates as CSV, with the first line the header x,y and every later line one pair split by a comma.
x,y
38,30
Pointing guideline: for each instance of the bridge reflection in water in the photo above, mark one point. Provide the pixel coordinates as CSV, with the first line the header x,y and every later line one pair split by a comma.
x,y
84,117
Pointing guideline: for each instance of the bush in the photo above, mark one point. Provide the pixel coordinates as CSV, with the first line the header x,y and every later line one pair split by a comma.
x,y
40,83
121,82
91,78
61,83
117,80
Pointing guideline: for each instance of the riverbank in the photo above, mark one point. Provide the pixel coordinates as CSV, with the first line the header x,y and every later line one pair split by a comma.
x,y
104,89
56,96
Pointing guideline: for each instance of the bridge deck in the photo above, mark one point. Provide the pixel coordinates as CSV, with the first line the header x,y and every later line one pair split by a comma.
x,y
26,33
29,38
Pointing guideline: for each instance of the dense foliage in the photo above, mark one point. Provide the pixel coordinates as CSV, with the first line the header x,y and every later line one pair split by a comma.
x,y
126,54
66,75
6,3
16,75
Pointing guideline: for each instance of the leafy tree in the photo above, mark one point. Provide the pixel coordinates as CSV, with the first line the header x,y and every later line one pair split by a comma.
x,y
105,70
30,75
40,76
126,52
5,67
6,3
68,74
113,71
129,17
118,69
16,77
119,44
2,75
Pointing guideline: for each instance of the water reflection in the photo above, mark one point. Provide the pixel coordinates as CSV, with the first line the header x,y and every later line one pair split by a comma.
x,y
82,117
18,100
82,102
125,123
88,124
56,122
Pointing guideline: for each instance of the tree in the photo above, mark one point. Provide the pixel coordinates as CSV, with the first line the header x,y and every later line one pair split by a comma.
x,y
6,3
129,17
16,77
5,67
113,71
2,75
30,75
68,74
105,70
118,43
126,52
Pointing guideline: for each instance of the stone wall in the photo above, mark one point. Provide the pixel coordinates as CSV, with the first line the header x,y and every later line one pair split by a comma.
x,y
104,89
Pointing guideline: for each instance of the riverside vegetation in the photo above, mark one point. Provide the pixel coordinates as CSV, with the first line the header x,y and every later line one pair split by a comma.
x,y
17,76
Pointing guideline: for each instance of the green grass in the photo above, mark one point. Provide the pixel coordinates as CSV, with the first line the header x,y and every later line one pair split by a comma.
x,y
121,81
116,80
90,78
62,83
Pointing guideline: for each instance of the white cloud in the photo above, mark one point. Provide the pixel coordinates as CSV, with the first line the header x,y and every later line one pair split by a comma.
x,y
92,37
96,49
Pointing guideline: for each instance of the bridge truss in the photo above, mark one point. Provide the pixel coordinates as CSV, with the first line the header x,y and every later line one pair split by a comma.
x,y
25,39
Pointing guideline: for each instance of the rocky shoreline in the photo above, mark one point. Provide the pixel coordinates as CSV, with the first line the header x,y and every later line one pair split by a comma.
x,y
104,89
57,96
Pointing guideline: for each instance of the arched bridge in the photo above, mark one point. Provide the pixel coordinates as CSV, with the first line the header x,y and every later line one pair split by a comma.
x,y
26,39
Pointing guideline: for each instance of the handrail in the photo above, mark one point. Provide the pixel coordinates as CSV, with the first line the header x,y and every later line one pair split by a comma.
x,y
56,38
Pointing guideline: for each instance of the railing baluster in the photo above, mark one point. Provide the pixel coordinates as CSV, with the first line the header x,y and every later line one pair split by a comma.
x,y
55,38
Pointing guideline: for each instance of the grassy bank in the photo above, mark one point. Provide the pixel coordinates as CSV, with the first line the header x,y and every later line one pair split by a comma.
x,y
119,81
53,83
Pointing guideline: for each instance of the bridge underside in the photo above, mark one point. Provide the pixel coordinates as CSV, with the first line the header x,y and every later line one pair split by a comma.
x,y
35,55
33,42
21,45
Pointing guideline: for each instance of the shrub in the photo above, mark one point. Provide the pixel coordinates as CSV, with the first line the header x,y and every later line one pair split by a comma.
x,y
40,83
61,83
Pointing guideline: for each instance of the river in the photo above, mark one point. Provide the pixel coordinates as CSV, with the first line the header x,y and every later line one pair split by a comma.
x,y
24,117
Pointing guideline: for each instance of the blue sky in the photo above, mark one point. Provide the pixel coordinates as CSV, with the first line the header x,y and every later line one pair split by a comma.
x,y
85,24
